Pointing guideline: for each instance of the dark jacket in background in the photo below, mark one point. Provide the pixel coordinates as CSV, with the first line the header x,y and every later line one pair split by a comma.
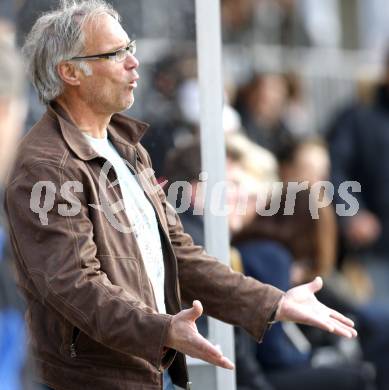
x,y
359,150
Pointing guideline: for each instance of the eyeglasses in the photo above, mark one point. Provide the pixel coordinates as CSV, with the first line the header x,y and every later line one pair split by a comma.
x,y
118,55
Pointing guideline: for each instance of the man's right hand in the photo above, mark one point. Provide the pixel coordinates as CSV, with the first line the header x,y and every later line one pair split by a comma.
x,y
183,336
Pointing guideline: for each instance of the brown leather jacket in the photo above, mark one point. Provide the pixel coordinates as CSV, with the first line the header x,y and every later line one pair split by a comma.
x,y
90,306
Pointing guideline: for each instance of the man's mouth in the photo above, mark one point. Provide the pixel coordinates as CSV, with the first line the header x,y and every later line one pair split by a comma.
x,y
133,84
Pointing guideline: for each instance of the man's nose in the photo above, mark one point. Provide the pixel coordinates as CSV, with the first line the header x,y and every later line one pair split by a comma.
x,y
131,62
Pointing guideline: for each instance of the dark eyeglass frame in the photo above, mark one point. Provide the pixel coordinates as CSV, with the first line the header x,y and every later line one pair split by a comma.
x,y
129,49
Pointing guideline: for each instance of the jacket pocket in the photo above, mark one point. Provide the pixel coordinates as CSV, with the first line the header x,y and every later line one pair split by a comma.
x,y
89,351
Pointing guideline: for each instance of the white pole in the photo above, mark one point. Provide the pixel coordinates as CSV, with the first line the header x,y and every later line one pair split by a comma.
x,y
213,157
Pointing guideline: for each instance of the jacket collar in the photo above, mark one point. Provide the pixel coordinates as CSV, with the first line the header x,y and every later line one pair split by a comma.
x,y
122,131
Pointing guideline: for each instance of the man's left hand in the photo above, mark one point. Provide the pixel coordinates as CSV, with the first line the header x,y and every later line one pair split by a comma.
x,y
300,305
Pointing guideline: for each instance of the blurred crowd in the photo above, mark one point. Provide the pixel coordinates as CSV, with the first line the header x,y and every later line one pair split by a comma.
x,y
271,139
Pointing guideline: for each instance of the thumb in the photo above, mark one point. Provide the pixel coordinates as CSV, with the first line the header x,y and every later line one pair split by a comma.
x,y
316,284
195,312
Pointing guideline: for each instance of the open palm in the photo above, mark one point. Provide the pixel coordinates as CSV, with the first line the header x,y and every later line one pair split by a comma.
x,y
300,305
183,336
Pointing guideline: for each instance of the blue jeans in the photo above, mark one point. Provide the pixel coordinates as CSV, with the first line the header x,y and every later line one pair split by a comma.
x,y
167,381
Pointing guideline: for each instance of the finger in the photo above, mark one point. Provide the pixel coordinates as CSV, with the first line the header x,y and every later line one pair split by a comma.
x,y
340,317
316,284
212,354
341,329
222,362
318,321
206,348
194,312
198,308
227,363
331,325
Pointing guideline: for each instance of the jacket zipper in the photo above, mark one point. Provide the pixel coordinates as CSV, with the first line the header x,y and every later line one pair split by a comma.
x,y
136,173
75,335
170,249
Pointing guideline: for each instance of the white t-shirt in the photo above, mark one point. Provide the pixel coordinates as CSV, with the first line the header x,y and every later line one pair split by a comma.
x,y
141,215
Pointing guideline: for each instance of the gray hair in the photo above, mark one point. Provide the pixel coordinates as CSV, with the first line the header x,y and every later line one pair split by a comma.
x,y
58,36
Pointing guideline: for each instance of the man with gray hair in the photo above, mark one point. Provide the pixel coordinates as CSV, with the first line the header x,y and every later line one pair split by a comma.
x,y
102,258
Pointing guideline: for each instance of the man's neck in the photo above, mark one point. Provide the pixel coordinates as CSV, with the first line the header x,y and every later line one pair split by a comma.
x,y
84,117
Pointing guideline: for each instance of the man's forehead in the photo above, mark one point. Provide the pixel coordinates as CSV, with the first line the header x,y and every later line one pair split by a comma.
x,y
105,33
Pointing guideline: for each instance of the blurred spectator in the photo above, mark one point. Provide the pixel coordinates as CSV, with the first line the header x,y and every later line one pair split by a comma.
x,y
312,242
247,165
254,159
163,113
359,142
173,108
280,22
13,363
305,161
358,139
238,20
309,161
183,164
188,95
261,104
296,111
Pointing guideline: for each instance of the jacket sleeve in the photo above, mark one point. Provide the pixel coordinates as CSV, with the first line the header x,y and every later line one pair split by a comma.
x,y
226,295
59,257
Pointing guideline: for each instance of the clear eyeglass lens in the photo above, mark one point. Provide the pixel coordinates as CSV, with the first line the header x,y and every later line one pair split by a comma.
x,y
132,48
122,54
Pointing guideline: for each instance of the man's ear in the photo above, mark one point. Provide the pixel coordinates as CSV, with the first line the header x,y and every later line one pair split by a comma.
x,y
69,73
